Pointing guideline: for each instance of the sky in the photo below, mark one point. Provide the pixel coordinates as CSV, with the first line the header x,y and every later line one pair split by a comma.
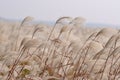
x,y
95,11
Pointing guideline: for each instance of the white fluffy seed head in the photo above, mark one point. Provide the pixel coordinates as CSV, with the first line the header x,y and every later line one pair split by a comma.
x,y
79,20
26,20
108,32
32,43
94,47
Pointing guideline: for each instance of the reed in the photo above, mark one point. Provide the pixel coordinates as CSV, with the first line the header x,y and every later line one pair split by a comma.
x,y
61,52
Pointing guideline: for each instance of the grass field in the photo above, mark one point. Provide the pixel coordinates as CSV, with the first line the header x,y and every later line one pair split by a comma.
x,y
66,51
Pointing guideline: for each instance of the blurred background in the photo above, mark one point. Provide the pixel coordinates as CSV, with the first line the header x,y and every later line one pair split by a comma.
x,y
96,12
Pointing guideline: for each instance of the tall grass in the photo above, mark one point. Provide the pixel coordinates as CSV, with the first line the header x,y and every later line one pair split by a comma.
x,y
58,53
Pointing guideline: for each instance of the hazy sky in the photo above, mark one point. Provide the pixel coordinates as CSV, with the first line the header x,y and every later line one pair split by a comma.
x,y
100,11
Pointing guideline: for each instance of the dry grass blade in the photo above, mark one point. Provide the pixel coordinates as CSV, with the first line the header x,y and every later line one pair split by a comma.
x,y
26,19
78,20
107,32
37,28
112,41
31,43
23,42
58,21
64,28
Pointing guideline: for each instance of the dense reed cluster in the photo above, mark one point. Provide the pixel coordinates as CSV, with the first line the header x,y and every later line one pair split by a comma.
x,y
66,51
